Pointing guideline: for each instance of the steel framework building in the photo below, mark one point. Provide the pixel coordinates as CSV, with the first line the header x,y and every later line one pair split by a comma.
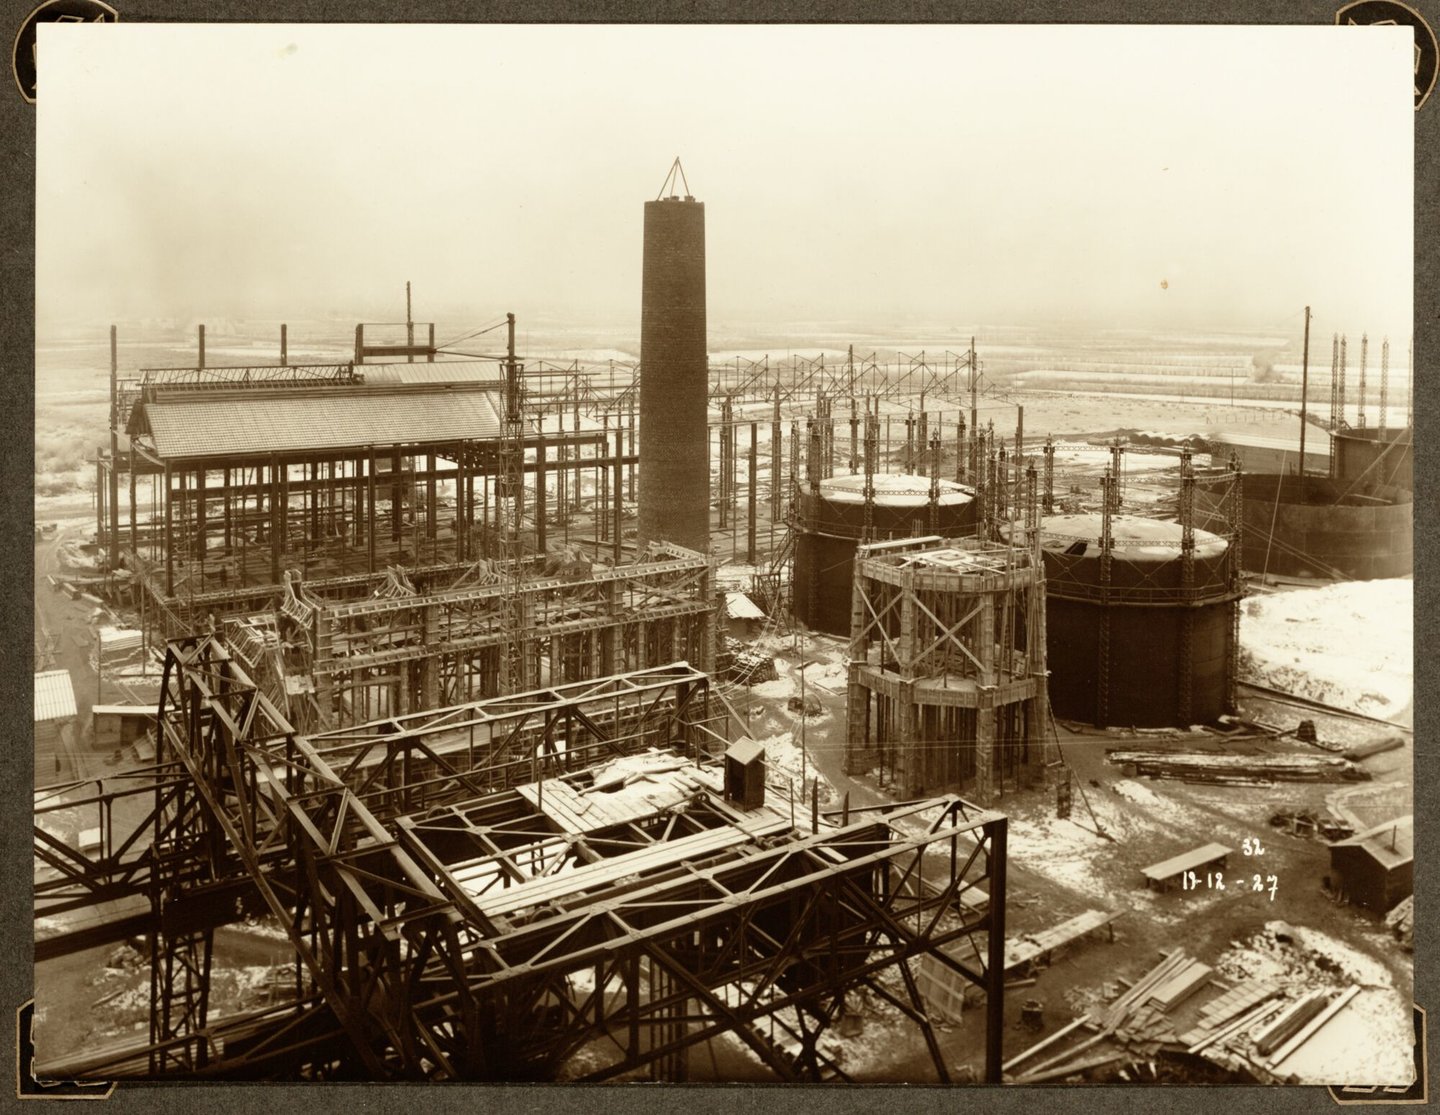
x,y
329,661
456,913
325,471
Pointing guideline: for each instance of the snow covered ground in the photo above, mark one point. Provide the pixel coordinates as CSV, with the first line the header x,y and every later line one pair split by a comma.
x,y
1347,645
1369,1041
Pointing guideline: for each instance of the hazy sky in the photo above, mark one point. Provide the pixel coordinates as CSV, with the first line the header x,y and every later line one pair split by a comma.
x,y
966,174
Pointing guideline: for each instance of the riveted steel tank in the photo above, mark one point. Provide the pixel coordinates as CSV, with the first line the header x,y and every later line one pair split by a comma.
x,y
1135,638
830,523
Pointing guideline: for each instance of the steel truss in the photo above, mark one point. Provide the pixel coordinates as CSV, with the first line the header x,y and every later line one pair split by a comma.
x,y
352,840
402,650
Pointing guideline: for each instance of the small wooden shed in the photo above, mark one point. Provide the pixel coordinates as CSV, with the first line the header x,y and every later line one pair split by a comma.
x,y
122,725
745,774
1375,868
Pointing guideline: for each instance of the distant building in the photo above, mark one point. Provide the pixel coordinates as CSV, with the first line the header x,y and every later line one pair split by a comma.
x,y
1276,456
1375,868
54,713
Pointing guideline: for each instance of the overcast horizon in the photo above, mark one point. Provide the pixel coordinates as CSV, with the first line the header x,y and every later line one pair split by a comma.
x,y
1196,178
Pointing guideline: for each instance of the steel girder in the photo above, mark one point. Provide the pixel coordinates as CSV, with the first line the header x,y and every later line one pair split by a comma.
x,y
402,981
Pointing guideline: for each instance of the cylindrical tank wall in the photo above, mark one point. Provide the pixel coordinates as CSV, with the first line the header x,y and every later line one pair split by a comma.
x,y
1321,530
674,496
1139,676
1364,459
824,572
829,529
1145,662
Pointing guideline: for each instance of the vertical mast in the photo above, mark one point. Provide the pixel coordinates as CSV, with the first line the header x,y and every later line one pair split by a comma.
x,y
1304,388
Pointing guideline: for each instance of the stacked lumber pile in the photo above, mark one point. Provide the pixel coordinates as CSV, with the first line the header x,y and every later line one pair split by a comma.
x,y
1390,742
1136,1018
1241,1006
1290,1022
117,647
1180,986
1299,1024
1238,770
744,665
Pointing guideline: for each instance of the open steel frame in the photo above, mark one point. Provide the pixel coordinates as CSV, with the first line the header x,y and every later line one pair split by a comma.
x,y
400,650
674,928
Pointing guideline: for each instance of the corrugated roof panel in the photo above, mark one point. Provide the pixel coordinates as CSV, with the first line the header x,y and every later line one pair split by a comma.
x,y
197,426
54,696
444,371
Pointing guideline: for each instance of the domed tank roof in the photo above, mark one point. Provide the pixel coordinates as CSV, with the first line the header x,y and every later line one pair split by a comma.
x,y
1136,537
894,490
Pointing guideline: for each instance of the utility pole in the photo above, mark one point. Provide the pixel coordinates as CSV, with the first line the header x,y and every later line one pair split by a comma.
x,y
511,513
804,761
1304,388
974,392
113,487
410,327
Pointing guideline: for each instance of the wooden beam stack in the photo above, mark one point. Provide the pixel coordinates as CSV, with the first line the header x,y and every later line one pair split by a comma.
x,y
1289,1023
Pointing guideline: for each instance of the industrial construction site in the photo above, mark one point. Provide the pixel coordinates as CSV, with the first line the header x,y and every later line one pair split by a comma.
x,y
948,707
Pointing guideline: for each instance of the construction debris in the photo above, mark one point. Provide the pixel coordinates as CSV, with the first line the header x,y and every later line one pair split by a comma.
x,y
1306,822
1046,1043
1401,922
1133,1020
1226,769
744,665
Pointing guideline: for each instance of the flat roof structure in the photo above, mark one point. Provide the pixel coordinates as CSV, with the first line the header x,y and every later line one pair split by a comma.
x,y
218,424
445,371
54,696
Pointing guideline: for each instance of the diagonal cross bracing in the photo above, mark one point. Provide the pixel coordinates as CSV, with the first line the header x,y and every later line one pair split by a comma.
x,y
759,922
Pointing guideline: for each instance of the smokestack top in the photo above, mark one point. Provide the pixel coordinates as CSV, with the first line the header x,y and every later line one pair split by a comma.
x,y
675,180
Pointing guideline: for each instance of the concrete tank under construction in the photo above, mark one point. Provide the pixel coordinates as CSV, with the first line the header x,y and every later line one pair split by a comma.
x,y
1371,457
1318,527
830,523
1142,636
674,498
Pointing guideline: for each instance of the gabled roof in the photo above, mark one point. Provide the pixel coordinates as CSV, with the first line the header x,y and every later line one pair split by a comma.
x,y
252,423
740,606
745,750
54,696
1391,843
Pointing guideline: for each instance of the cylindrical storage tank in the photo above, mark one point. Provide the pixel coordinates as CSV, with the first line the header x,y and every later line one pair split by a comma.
x,y
1318,527
1369,458
674,498
829,526
1134,642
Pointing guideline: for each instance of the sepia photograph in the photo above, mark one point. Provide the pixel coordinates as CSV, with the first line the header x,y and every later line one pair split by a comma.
x,y
724,554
